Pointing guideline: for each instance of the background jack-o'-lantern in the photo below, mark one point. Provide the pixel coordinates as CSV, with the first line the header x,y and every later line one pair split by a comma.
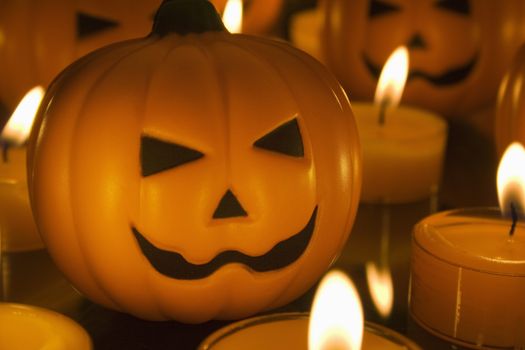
x,y
510,111
40,38
194,174
459,49
259,15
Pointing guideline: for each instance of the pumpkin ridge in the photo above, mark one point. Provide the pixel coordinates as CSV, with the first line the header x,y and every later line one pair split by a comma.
x,y
320,70
62,79
175,44
269,63
322,74
101,76
155,303
207,49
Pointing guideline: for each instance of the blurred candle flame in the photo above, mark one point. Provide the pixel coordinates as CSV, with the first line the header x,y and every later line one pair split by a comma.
x,y
393,78
232,16
18,127
336,320
381,288
511,179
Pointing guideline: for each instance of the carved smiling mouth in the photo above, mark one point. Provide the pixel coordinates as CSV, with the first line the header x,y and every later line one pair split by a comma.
x,y
174,265
452,76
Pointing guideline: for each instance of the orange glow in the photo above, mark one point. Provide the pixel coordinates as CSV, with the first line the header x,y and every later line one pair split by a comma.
x,y
336,320
381,288
232,16
393,78
19,125
510,179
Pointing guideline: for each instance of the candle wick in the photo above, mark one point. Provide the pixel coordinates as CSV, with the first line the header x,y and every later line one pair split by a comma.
x,y
514,216
385,102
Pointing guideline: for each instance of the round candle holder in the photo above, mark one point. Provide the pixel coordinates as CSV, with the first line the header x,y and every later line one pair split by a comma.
x,y
468,278
290,331
402,158
29,327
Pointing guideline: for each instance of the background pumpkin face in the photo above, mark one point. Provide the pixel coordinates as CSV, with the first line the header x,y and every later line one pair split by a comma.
x,y
40,38
510,111
456,47
195,177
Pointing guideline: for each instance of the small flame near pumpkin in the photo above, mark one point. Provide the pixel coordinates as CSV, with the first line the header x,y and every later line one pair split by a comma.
x,y
232,16
336,320
18,127
381,288
392,81
511,182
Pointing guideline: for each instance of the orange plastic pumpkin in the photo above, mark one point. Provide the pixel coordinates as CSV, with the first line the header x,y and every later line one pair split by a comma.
x,y
459,49
39,38
510,111
259,15
194,174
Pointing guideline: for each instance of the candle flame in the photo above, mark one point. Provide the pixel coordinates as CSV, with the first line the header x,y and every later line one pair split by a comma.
x,y
336,321
393,78
19,125
511,179
381,288
232,16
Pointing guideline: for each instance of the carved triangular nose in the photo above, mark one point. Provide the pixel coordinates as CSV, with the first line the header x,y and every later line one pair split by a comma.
x,y
417,42
229,207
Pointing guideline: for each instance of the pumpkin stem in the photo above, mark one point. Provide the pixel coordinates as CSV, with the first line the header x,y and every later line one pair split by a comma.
x,y
187,16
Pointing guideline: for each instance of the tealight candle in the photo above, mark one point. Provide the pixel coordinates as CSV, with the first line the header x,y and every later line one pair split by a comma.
x,y
17,228
468,272
402,147
336,322
468,278
28,327
287,331
403,158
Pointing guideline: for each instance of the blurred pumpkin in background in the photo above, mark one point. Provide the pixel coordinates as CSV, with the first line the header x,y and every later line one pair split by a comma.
x,y
510,110
459,49
38,38
194,174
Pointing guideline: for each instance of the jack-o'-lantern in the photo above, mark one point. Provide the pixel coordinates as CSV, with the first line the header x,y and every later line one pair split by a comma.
x,y
259,15
40,38
459,49
194,174
510,111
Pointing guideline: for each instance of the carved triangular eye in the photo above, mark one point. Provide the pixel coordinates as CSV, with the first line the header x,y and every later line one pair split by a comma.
x,y
285,139
459,6
378,8
88,25
157,155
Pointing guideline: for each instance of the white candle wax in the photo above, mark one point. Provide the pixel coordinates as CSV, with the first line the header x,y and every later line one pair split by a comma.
x,y
402,158
29,327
